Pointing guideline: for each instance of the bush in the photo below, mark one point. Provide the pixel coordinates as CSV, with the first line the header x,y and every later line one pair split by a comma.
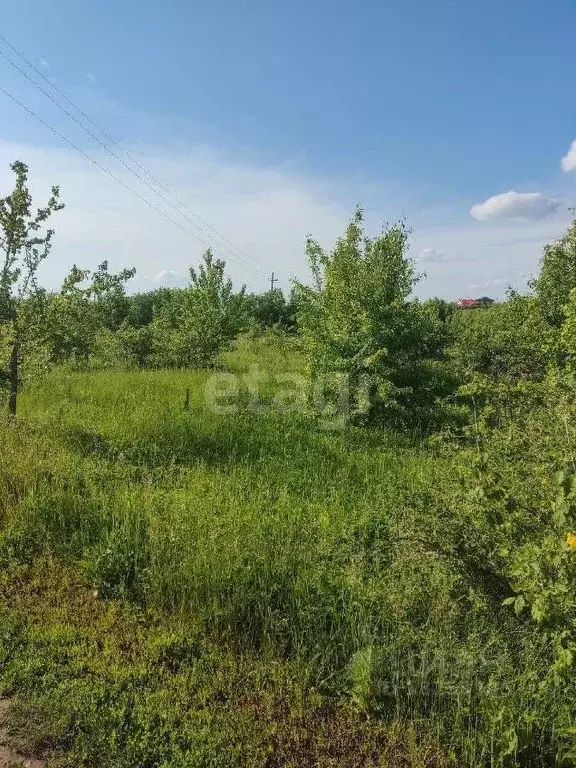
x,y
200,321
557,276
509,339
271,310
358,321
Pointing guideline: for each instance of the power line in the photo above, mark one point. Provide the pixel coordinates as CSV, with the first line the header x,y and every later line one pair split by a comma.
x,y
95,138
103,169
234,251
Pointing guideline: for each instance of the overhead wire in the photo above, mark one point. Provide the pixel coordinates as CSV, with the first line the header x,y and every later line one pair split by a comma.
x,y
102,168
236,255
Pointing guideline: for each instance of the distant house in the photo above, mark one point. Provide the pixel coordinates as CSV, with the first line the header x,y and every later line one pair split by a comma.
x,y
483,301
467,303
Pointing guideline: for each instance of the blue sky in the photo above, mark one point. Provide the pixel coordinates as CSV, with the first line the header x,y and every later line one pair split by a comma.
x,y
273,119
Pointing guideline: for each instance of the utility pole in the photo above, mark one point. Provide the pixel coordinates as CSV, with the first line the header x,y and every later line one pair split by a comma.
x,y
272,281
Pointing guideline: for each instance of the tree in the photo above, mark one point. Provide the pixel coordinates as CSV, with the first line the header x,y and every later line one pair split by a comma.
x,y
557,276
70,322
271,310
201,320
108,292
509,339
568,332
88,303
358,320
25,245
142,307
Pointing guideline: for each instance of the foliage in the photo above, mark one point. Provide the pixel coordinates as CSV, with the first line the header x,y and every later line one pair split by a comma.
x,y
522,511
184,586
508,339
358,321
25,246
200,321
568,332
384,585
116,687
142,307
88,309
557,276
271,310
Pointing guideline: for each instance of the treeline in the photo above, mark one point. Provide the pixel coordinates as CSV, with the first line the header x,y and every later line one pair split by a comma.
x,y
405,360
93,320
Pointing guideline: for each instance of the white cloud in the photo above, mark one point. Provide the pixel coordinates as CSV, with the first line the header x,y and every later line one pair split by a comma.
x,y
515,205
90,77
167,278
170,278
495,282
568,162
266,211
431,256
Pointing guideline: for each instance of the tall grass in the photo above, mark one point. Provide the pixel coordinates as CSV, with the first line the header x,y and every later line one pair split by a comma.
x,y
277,538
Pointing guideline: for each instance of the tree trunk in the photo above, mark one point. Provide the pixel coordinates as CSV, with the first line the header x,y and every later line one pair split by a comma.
x,y
14,364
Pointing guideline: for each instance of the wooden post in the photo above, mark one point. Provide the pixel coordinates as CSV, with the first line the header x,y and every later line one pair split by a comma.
x,y
13,397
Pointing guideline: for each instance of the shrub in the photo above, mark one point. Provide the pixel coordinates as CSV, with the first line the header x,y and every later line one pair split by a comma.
x,y
201,321
358,320
557,276
509,339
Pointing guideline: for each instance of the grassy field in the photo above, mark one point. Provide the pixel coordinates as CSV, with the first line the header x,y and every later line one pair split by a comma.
x,y
187,588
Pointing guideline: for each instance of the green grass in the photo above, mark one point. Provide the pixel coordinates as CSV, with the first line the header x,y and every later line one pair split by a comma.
x,y
295,558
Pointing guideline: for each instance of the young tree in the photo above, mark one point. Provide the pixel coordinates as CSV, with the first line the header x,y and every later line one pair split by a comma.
x,y
358,320
108,292
200,321
70,322
557,276
509,339
88,303
271,310
25,243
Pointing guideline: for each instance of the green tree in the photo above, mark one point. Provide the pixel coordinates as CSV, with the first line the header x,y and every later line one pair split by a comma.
x,y
271,310
142,307
511,339
108,292
201,320
557,276
88,303
70,321
358,320
568,332
25,244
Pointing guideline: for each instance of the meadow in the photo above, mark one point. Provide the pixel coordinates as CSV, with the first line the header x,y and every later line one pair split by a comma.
x,y
187,588
243,531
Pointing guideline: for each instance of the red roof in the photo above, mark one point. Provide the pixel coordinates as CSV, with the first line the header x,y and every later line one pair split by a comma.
x,y
468,303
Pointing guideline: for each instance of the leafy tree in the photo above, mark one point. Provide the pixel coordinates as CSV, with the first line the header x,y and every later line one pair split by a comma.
x,y
201,320
271,310
70,322
510,339
142,307
358,320
568,332
128,347
108,292
557,276
88,303
25,244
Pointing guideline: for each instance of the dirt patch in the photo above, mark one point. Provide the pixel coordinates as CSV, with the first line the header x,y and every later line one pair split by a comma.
x,y
8,757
